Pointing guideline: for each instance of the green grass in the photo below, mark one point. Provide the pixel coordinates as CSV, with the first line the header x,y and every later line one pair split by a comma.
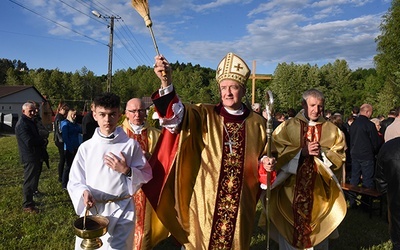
x,y
52,228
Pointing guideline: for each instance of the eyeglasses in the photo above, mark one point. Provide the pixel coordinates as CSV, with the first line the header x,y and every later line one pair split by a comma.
x,y
134,111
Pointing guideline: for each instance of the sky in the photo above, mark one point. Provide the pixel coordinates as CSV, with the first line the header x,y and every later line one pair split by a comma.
x,y
65,35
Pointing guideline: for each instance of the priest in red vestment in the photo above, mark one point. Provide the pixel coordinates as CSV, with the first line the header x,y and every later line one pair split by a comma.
x,y
205,167
149,231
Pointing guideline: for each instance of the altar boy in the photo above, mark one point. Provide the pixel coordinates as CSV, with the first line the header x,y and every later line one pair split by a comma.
x,y
107,170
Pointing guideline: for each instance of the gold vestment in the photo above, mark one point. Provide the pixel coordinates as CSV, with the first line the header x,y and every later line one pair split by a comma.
x,y
193,197
328,205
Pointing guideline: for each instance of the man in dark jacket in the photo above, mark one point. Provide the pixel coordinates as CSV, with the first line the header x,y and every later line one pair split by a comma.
x,y
31,149
388,180
89,124
385,123
365,144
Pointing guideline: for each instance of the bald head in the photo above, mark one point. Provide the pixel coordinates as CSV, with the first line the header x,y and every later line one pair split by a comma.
x,y
366,110
134,101
135,111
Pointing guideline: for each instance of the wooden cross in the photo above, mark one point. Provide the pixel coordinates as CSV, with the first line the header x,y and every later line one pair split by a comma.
x,y
253,77
230,144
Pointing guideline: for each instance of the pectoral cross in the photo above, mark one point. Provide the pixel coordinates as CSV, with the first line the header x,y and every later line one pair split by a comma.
x,y
230,144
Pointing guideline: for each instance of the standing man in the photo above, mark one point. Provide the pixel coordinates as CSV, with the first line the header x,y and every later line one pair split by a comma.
x,y
364,146
31,149
205,167
89,124
386,122
149,230
393,129
388,180
307,203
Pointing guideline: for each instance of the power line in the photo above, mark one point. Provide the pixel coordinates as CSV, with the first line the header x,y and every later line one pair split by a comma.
x,y
124,35
133,48
128,44
90,16
141,50
55,22
104,8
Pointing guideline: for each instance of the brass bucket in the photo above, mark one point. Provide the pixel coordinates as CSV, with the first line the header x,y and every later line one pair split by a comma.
x,y
90,228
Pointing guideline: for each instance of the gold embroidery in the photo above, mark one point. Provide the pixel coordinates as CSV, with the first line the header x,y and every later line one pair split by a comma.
x,y
303,195
228,195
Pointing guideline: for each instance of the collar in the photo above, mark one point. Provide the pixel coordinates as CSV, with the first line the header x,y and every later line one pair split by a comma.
x,y
111,136
137,129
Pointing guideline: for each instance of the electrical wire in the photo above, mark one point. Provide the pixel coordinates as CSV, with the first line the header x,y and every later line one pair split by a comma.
x,y
123,34
57,23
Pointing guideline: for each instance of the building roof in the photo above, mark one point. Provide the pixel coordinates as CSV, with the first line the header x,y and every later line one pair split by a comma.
x,y
9,90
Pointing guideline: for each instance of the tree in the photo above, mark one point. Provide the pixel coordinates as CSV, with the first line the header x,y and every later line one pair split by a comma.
x,y
289,83
388,58
336,77
388,44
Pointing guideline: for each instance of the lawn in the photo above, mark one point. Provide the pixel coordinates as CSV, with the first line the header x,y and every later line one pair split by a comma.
x,y
52,228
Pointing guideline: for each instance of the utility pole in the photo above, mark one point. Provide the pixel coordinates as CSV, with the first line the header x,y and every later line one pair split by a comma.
x,y
110,53
110,45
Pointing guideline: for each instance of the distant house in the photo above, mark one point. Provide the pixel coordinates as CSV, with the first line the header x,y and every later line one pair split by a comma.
x,y
11,100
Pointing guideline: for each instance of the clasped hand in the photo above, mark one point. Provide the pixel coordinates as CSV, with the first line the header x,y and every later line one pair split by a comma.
x,y
269,163
311,148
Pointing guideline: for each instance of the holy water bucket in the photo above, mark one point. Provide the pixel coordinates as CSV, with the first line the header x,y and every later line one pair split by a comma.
x,y
90,228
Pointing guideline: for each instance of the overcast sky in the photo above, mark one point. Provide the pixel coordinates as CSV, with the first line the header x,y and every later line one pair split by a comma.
x,y
64,34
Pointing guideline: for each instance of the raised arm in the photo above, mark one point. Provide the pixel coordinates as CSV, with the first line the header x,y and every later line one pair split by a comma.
x,y
162,65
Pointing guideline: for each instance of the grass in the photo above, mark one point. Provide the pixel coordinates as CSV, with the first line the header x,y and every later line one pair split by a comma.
x,y
52,228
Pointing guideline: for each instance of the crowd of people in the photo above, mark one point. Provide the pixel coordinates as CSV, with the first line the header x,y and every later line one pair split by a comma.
x,y
199,178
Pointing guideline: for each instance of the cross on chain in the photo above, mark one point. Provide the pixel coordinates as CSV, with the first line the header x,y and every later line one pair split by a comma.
x,y
230,144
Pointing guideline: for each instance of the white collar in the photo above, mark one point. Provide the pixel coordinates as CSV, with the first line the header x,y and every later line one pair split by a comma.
x,y
235,112
137,129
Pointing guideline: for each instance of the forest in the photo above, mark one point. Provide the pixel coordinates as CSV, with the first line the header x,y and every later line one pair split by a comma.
x,y
343,88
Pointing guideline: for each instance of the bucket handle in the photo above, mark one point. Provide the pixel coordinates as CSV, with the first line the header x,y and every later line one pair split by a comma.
x,y
86,214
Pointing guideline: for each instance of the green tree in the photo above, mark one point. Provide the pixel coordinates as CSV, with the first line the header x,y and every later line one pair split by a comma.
x,y
336,77
289,83
388,58
12,77
388,44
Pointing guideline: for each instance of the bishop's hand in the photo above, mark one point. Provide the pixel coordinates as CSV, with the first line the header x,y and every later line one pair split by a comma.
x,y
163,70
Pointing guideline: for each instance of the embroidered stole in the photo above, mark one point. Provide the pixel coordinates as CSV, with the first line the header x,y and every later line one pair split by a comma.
x,y
139,198
304,190
230,186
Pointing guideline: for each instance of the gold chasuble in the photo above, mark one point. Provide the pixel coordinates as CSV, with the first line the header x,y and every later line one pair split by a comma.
x,y
210,191
307,203
149,230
